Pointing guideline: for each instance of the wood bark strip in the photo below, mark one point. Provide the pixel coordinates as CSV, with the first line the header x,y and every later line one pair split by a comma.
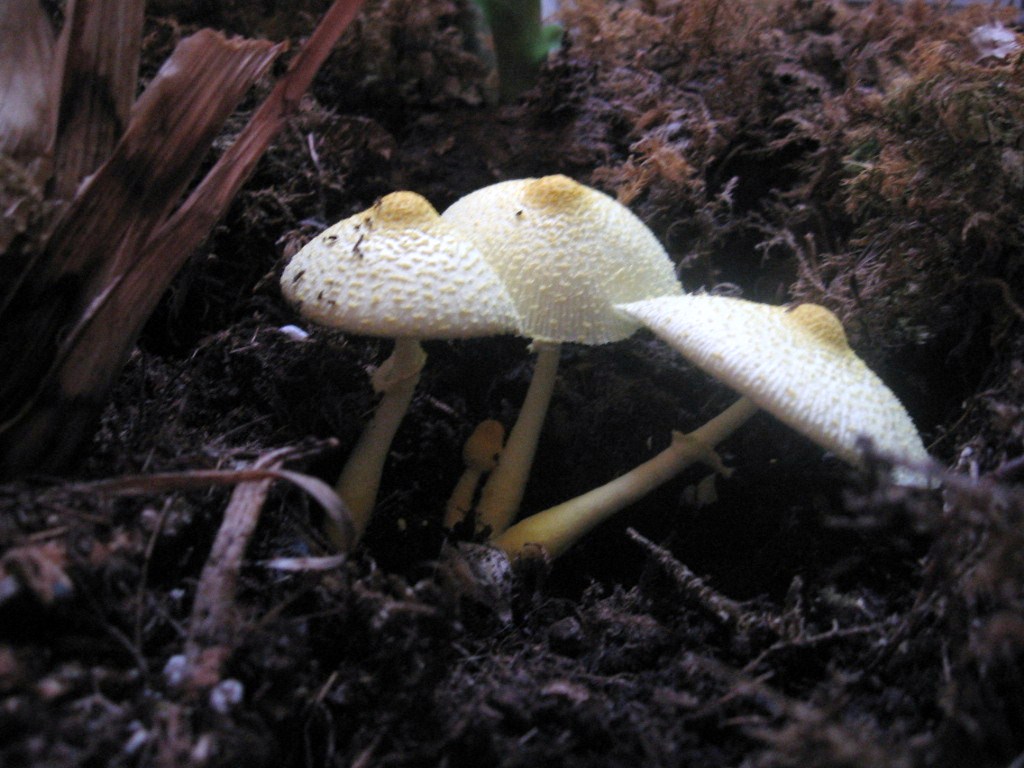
x,y
106,269
215,625
213,621
52,386
98,57
210,199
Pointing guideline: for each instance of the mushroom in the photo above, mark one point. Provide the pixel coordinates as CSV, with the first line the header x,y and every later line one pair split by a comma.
x,y
794,363
480,455
395,270
567,254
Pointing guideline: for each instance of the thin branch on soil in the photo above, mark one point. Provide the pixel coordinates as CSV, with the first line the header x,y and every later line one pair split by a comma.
x,y
140,592
213,622
297,564
810,642
1010,469
214,626
690,585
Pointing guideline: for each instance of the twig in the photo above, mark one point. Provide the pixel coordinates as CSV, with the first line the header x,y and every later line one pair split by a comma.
x,y
691,585
1009,469
806,642
213,611
140,592
212,632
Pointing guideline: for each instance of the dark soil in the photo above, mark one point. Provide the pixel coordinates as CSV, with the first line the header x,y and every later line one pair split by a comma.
x,y
814,615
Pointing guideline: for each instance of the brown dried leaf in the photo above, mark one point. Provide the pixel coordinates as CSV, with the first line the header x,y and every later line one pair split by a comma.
x,y
98,52
100,237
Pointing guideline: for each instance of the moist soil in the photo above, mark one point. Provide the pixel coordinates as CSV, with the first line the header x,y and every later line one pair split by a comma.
x,y
806,613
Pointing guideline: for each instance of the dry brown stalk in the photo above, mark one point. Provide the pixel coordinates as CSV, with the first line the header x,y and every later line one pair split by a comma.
x,y
97,85
213,622
53,386
83,302
214,625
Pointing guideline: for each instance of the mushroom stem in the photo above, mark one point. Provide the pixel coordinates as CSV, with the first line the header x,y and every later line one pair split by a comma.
x,y
503,492
480,456
461,500
561,526
396,379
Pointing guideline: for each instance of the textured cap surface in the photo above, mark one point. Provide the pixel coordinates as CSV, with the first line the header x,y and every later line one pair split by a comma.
x,y
794,363
567,253
397,269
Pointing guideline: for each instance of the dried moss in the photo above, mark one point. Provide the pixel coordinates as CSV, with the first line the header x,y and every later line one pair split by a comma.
x,y
405,54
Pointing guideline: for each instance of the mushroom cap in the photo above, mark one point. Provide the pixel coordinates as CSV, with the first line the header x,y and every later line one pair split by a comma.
x,y
398,270
484,445
794,363
567,253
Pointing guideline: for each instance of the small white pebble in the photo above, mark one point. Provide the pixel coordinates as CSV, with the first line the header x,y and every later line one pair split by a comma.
x,y
138,738
294,332
226,695
203,750
175,670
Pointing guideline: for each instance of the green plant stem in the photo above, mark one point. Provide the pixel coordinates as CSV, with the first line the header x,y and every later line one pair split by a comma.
x,y
558,528
518,43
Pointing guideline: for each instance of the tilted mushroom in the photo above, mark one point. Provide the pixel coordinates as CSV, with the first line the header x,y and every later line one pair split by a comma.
x,y
395,270
794,363
567,254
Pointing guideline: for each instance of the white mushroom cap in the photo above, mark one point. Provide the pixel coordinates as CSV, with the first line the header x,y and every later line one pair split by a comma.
x,y
398,270
567,253
794,363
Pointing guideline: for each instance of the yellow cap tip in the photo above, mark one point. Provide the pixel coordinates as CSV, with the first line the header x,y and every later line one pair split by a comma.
x,y
821,323
404,209
556,191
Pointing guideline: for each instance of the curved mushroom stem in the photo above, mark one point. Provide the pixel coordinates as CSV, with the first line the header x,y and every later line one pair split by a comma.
x,y
396,379
561,526
503,492
461,500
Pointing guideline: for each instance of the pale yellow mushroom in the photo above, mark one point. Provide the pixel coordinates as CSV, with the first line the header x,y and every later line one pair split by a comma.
x,y
794,363
567,254
396,270
480,455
